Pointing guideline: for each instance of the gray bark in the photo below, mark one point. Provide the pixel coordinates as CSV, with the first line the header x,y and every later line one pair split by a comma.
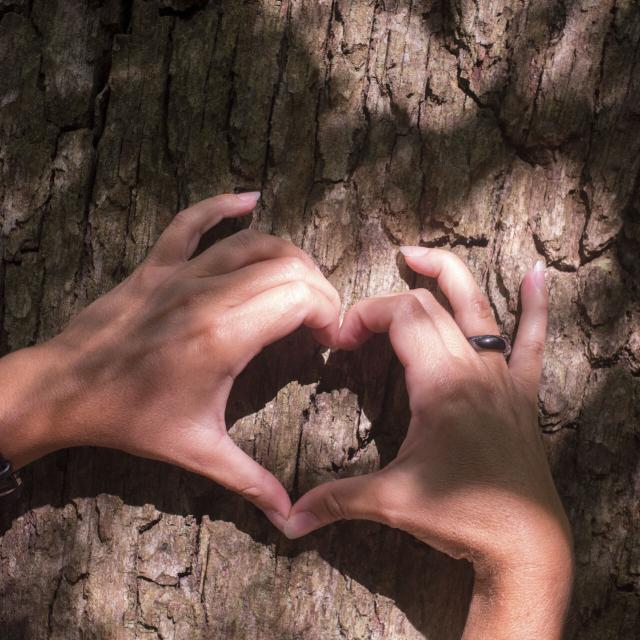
x,y
507,130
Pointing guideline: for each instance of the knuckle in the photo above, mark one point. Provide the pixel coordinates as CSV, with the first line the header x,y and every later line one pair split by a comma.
x,y
409,305
145,277
294,266
535,347
451,262
334,506
488,381
453,259
480,306
476,389
423,293
191,301
544,307
214,331
454,385
300,292
199,322
424,296
181,219
251,492
246,237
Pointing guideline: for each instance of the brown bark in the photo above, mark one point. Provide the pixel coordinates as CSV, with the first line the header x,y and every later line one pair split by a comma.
x,y
506,129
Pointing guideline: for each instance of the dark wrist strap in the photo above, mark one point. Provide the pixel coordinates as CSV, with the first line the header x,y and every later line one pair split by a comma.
x,y
10,481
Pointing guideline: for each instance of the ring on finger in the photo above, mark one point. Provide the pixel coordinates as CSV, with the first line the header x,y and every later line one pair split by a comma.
x,y
491,343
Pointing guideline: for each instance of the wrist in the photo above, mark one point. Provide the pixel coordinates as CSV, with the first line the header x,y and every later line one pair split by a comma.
x,y
35,385
524,593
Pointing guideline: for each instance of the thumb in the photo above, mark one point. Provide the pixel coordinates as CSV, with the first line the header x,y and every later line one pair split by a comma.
x,y
359,498
226,464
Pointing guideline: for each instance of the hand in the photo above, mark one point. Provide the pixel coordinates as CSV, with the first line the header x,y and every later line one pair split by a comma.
x,y
148,367
471,478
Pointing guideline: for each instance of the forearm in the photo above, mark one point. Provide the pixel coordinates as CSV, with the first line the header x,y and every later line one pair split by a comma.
x,y
33,384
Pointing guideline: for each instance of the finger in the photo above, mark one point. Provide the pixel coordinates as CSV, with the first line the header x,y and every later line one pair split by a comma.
x,y
411,329
225,463
243,248
359,498
180,239
249,281
470,306
526,359
355,331
277,312
450,333
413,336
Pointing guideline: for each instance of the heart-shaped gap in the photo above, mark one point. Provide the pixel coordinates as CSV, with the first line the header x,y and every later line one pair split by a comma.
x,y
372,373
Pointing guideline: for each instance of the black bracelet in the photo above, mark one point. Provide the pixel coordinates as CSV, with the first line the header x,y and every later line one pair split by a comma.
x,y
10,481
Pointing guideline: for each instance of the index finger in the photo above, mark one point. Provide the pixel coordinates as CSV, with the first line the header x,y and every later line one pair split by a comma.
x,y
180,239
413,334
470,306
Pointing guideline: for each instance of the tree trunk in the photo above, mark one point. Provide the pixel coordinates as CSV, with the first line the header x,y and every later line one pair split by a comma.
x,y
507,130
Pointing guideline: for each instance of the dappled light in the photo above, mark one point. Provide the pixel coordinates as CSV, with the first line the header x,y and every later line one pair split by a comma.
x,y
506,131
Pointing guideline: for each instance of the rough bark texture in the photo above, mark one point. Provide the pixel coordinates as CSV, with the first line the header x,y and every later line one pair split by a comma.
x,y
506,129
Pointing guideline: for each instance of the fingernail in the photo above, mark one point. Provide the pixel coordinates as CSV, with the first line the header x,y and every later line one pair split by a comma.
x,y
413,251
250,197
277,519
538,273
300,524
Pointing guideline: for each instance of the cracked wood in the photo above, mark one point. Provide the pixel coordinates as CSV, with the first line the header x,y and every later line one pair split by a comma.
x,y
506,130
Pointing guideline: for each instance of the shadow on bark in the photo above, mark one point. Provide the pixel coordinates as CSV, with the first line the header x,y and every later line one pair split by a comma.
x,y
384,561
354,549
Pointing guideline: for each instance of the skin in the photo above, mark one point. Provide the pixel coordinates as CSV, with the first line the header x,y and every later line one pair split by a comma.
x,y
148,368
471,478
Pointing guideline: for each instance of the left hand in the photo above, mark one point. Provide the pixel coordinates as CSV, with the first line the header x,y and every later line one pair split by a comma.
x,y
147,368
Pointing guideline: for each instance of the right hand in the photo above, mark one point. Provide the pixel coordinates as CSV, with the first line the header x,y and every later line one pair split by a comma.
x,y
148,367
471,478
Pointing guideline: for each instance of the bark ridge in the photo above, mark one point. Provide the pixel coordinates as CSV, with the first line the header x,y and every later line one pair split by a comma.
x,y
507,130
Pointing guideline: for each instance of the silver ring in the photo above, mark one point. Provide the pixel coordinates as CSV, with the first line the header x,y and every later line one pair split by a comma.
x,y
491,343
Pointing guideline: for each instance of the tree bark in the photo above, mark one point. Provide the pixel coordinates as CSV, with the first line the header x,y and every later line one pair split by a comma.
x,y
507,130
